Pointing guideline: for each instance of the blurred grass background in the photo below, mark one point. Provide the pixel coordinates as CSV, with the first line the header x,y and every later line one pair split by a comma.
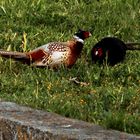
x,y
110,96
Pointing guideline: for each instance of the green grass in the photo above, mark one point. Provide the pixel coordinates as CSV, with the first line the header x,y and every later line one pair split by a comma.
x,y
111,96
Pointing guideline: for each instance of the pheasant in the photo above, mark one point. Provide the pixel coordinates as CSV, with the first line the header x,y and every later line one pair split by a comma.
x,y
112,50
52,54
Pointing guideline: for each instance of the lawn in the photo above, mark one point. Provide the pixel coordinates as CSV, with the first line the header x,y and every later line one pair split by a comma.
x,y
109,96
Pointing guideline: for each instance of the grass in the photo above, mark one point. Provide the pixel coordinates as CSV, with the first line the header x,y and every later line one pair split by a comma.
x,y
109,96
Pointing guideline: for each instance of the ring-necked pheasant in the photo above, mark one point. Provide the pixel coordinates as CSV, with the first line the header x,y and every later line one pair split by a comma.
x,y
52,54
111,50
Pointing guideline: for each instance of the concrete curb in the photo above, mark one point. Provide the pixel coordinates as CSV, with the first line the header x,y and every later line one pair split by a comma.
x,y
23,123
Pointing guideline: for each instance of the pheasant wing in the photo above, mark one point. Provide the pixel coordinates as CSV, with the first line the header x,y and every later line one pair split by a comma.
x,y
51,54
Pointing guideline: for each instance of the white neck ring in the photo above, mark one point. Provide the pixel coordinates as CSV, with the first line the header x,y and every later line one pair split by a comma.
x,y
78,39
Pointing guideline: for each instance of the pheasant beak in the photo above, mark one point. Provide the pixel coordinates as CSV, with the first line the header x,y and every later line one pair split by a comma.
x,y
90,34
96,52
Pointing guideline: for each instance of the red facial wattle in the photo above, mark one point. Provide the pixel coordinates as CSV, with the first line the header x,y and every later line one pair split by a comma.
x,y
98,52
87,34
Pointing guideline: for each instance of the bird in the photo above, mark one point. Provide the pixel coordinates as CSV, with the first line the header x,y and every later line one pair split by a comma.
x,y
52,54
111,50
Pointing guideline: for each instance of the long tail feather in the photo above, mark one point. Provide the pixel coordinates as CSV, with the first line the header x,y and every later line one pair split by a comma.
x,y
19,56
133,46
